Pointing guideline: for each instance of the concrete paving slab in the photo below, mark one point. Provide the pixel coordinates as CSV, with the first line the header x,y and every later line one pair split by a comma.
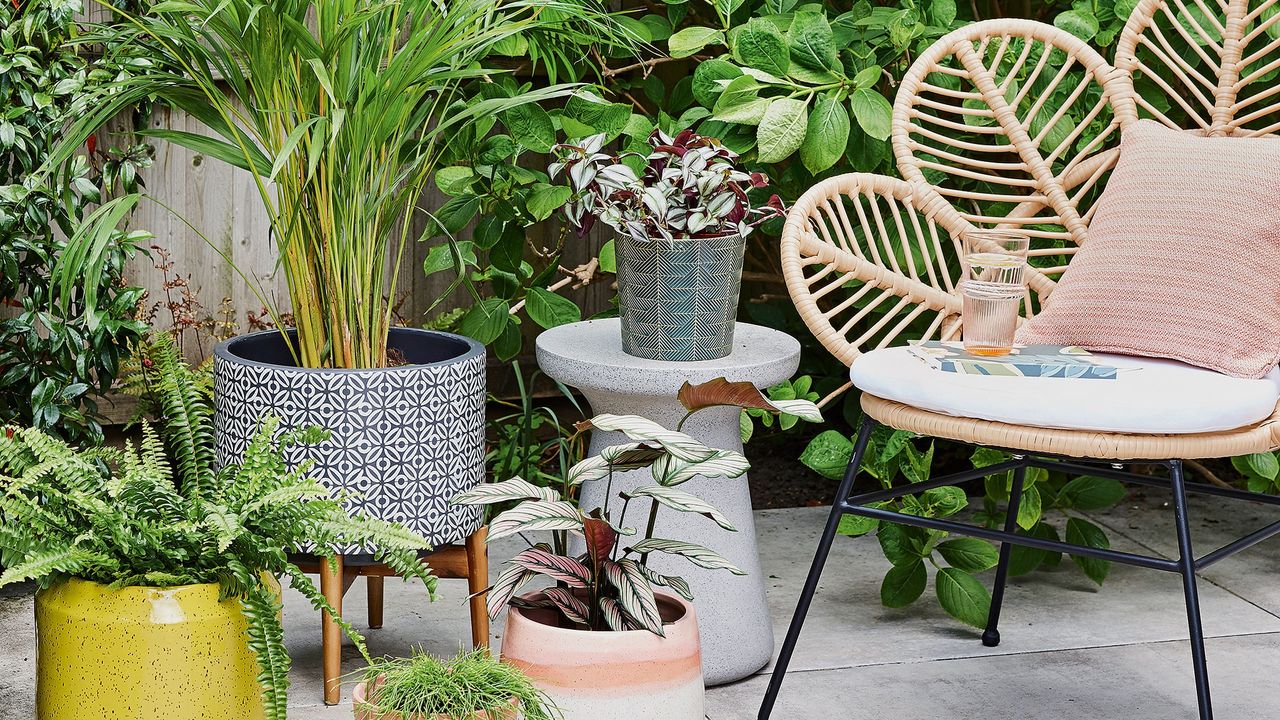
x,y
1147,519
1075,651
1050,610
1150,681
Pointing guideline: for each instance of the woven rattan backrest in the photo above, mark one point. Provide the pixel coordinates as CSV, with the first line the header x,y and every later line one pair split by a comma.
x,y
1011,122
1014,124
1207,66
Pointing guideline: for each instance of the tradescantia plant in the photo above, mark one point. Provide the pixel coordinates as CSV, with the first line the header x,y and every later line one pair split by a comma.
x,y
611,586
687,186
159,514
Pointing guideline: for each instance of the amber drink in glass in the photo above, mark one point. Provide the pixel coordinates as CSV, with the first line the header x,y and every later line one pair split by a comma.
x,y
993,286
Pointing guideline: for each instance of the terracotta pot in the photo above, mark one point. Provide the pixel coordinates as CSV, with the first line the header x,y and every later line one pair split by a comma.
x,y
360,696
142,652
594,675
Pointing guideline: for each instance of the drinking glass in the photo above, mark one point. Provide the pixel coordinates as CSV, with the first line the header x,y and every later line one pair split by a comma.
x,y
994,282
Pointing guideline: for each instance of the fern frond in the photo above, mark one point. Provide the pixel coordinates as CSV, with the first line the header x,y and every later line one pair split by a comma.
x,y
58,561
261,610
299,581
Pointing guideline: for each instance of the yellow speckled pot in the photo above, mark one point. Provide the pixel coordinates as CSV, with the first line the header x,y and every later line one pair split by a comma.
x,y
142,653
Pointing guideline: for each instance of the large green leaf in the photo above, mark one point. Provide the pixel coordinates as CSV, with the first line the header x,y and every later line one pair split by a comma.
x,y
903,584
692,39
1091,493
873,112
1083,532
740,102
710,79
551,310
782,129
963,597
969,554
827,134
485,320
759,44
812,43
828,454
530,126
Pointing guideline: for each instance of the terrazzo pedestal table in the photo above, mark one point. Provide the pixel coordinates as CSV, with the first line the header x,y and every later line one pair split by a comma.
x,y
733,618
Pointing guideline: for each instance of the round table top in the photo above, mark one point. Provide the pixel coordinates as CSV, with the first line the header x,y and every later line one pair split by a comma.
x,y
588,355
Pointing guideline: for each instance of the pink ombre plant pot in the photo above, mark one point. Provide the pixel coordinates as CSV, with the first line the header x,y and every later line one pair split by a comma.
x,y
596,675
360,698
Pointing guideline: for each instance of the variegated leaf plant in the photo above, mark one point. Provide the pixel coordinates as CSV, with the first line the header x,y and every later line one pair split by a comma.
x,y
686,187
611,586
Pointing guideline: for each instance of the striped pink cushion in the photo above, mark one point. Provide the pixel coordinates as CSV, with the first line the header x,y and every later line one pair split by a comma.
x,y
1183,256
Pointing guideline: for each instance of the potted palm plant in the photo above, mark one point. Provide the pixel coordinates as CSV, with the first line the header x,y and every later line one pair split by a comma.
x,y
471,686
682,215
603,641
341,110
157,572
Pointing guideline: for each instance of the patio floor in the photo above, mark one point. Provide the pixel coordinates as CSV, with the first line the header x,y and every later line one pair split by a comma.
x,y
1069,649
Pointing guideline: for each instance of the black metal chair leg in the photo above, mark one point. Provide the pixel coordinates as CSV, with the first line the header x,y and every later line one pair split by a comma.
x,y
815,570
1187,563
991,636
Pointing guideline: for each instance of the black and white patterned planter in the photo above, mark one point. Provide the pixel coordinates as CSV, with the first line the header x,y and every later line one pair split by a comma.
x,y
404,440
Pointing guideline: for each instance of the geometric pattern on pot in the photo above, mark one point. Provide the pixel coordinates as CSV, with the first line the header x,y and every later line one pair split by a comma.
x,y
403,440
679,298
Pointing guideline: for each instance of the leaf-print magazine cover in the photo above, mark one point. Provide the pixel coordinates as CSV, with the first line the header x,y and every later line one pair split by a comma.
x,y
1024,361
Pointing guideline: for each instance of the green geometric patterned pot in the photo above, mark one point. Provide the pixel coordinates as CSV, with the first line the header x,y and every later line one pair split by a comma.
x,y
679,298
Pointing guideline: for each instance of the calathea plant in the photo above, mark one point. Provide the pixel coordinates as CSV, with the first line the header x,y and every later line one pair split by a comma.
x,y
687,186
159,514
611,586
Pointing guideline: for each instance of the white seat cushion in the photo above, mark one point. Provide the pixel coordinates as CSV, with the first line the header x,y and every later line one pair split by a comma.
x,y
1162,397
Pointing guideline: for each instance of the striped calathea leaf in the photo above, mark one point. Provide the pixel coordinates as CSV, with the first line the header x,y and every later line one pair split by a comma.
x,y
682,501
533,515
560,568
569,604
671,471
615,458
678,585
505,587
514,490
641,429
614,617
635,594
696,554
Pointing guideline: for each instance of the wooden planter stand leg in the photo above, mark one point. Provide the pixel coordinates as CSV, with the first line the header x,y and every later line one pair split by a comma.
x,y
375,601
477,581
331,586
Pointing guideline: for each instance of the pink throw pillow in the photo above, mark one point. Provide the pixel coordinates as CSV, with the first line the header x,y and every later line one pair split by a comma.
x,y
1183,256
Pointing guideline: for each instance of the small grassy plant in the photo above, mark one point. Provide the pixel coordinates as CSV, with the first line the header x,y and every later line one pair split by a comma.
x,y
454,689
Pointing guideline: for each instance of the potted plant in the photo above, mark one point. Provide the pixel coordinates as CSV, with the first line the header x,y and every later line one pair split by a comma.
x,y
341,111
601,641
157,572
471,686
682,216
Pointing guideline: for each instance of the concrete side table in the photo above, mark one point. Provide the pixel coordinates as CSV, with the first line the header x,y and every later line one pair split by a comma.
x,y
737,635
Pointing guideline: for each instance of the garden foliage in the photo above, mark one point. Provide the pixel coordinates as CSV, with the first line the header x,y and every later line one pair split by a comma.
x,y
53,364
160,513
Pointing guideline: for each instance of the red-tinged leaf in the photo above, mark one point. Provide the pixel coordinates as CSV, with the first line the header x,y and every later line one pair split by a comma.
x,y
720,391
558,567
601,539
569,604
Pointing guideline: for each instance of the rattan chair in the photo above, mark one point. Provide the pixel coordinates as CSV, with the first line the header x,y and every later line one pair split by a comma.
x,y
1001,112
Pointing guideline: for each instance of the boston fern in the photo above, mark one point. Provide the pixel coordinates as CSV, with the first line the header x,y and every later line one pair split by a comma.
x,y
160,514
